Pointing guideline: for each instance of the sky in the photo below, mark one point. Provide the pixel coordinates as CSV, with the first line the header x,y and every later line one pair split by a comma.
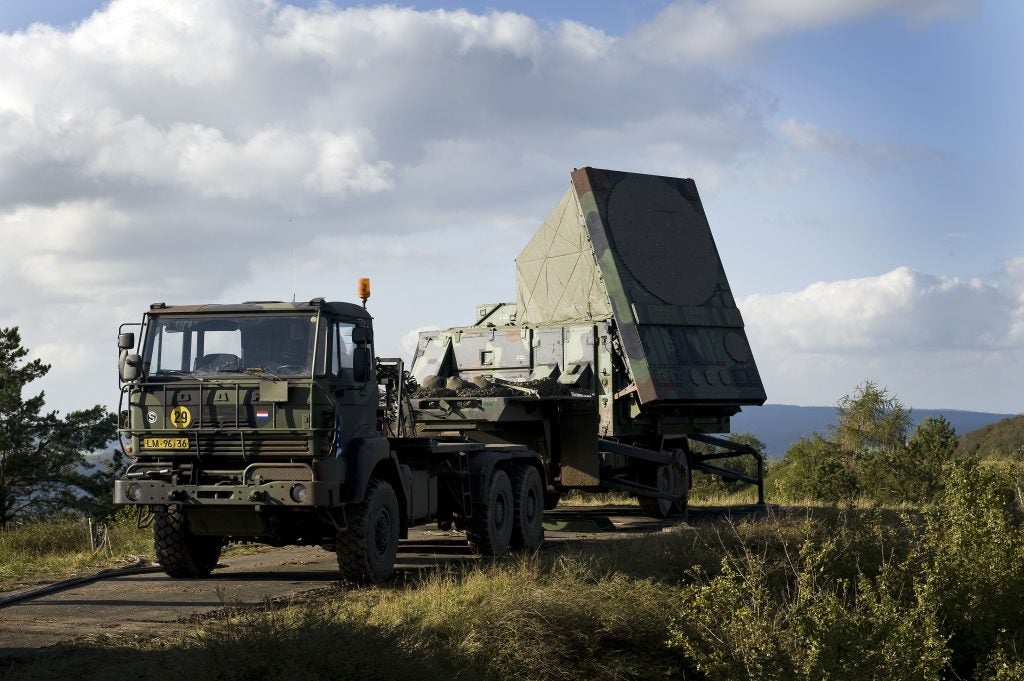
x,y
860,162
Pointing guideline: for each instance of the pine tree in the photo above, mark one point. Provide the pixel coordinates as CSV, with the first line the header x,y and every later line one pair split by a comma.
x,y
43,455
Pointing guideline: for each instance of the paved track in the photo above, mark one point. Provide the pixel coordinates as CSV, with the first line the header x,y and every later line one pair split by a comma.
x,y
150,602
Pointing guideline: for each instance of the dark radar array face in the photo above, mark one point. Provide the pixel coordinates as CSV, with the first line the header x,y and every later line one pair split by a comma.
x,y
660,239
681,331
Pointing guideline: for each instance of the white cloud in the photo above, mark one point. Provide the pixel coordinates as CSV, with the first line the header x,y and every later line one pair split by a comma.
x,y
898,310
175,150
243,101
585,41
361,36
695,29
188,42
931,337
809,138
411,338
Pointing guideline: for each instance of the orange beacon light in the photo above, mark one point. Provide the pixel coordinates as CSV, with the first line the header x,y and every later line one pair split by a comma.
x,y
364,290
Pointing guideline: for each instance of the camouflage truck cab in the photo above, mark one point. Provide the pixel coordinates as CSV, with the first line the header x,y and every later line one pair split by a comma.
x,y
623,308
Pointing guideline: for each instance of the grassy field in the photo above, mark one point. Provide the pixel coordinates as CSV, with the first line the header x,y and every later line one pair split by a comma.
x,y
50,550
853,592
60,548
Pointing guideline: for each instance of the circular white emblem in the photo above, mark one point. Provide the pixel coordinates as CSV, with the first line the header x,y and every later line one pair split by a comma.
x,y
151,417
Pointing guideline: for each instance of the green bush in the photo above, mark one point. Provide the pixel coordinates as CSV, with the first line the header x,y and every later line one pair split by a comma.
x,y
813,469
868,455
971,556
794,618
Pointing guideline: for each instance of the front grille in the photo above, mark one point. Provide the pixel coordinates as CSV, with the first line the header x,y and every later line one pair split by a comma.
x,y
252,446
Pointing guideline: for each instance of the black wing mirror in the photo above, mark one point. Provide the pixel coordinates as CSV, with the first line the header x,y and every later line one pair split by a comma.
x,y
361,335
362,360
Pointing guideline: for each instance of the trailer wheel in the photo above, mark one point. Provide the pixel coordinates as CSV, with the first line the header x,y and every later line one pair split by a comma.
x,y
655,507
181,553
528,503
682,469
367,548
669,480
490,528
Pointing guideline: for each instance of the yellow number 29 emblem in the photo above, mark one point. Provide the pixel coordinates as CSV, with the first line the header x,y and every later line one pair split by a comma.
x,y
181,417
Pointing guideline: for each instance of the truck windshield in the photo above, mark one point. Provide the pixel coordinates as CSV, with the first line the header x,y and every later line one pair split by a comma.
x,y
281,345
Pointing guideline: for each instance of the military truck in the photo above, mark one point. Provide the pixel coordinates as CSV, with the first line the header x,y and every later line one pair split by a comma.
x,y
274,422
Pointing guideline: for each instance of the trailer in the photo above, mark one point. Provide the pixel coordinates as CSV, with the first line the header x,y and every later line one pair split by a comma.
x,y
623,347
275,422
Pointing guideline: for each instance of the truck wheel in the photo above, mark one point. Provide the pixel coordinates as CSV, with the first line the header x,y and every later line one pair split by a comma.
x,y
528,504
181,553
367,549
490,528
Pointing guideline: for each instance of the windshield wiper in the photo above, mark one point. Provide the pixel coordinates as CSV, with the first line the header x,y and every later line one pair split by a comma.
x,y
262,373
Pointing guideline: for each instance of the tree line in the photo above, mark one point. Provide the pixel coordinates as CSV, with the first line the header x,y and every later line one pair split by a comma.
x,y
872,452
44,469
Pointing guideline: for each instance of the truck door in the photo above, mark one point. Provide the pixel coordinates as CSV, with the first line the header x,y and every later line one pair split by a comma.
x,y
351,377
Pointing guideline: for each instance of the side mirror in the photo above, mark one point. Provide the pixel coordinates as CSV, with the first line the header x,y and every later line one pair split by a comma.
x,y
126,341
129,366
361,335
361,363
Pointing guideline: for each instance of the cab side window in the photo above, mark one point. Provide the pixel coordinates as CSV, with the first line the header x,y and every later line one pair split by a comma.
x,y
341,349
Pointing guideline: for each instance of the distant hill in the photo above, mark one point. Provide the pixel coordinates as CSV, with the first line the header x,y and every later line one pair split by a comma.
x,y
780,425
999,438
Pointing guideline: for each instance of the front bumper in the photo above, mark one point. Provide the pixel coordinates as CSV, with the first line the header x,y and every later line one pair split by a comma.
x,y
294,493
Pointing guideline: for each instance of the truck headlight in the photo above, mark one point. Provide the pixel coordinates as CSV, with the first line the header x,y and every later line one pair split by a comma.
x,y
299,493
134,492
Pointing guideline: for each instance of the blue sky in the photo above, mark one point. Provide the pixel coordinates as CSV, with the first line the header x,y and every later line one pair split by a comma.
x,y
859,160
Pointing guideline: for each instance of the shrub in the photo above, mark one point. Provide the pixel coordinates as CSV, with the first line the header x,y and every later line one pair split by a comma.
x,y
972,561
793,619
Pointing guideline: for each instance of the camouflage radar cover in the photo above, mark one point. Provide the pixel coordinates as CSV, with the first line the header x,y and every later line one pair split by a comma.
x,y
557,278
639,248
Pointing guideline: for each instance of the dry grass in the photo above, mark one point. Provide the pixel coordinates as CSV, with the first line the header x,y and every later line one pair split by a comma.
x,y
61,548
575,498
816,592
595,611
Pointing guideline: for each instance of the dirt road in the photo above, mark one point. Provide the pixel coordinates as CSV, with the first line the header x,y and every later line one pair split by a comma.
x,y
150,602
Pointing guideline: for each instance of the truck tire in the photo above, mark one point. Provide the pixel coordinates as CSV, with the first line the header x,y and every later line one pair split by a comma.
x,y
367,548
181,553
490,528
528,505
